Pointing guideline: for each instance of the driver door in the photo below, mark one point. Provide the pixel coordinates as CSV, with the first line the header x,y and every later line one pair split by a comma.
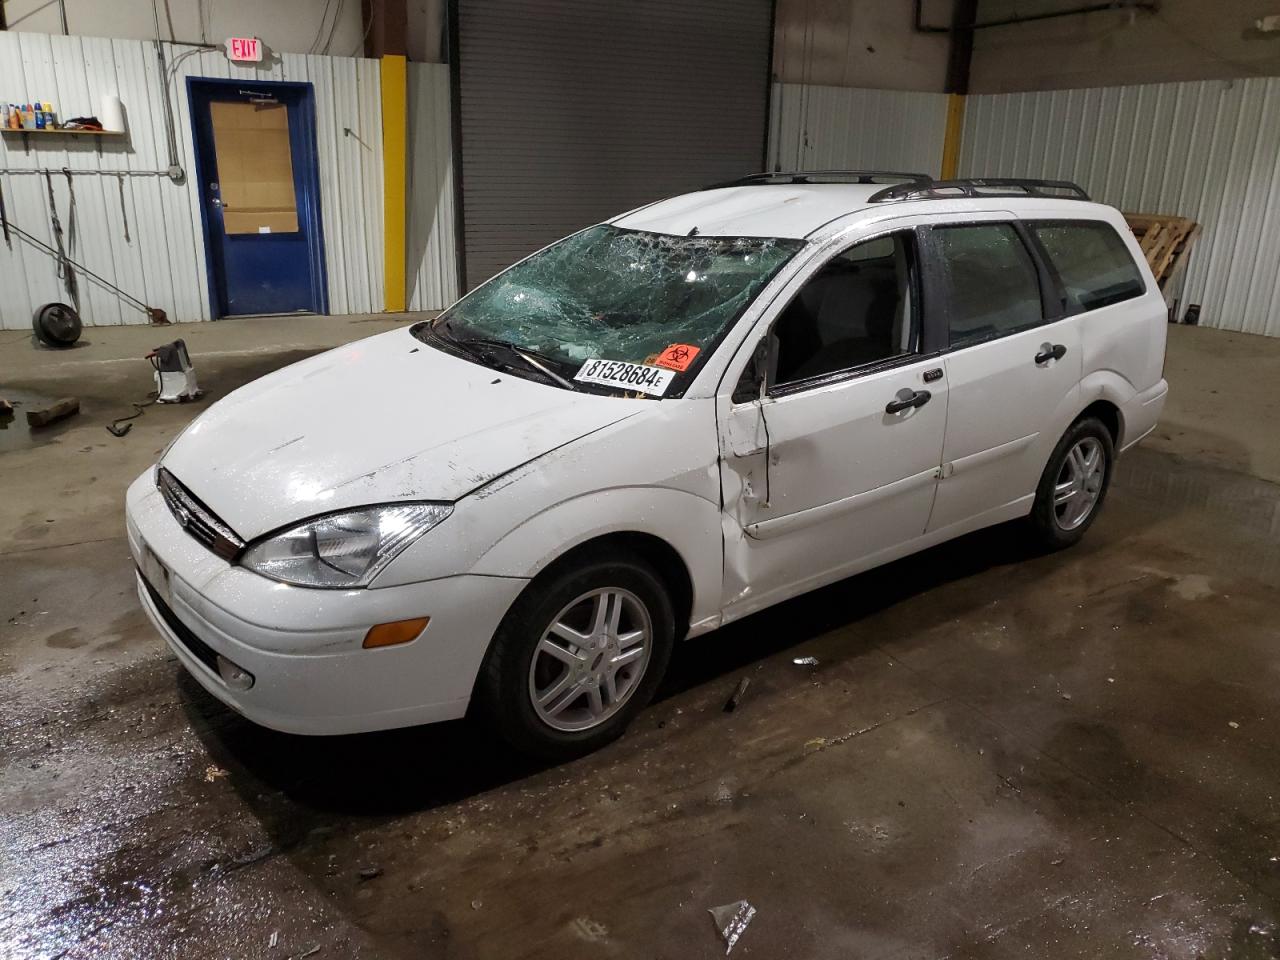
x,y
831,441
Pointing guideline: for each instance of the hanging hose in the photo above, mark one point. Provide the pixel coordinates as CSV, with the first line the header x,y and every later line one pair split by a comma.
x,y
65,273
154,314
124,210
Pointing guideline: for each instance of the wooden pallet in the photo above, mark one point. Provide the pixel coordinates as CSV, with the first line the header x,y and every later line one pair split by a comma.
x,y
1165,240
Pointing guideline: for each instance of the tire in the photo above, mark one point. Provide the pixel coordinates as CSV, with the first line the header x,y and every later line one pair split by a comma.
x,y
562,606
56,325
1055,525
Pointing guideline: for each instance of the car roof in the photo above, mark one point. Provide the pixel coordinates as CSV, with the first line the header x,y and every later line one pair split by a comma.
x,y
781,210
798,210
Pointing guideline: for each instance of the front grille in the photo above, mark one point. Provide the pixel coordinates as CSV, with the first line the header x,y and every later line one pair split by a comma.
x,y
198,520
197,647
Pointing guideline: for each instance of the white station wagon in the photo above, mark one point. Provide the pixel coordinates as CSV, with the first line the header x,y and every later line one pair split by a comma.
x,y
649,429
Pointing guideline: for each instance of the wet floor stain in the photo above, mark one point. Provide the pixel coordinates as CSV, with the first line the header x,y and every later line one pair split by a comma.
x,y
996,753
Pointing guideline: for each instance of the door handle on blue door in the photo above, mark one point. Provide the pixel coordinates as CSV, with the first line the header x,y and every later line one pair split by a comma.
x,y
906,399
1050,351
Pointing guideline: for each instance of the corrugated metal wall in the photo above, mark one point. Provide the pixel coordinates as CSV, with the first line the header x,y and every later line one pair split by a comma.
x,y
430,241
160,256
844,128
1209,150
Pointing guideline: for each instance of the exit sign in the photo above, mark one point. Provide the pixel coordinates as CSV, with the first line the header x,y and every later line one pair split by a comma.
x,y
244,49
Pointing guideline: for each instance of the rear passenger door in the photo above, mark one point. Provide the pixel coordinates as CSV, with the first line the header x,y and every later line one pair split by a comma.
x,y
1013,366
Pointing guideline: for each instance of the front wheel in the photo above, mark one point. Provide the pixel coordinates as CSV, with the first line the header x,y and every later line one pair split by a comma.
x,y
1073,485
577,656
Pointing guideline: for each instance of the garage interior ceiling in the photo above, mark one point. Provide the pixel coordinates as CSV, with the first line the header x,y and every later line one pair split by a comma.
x,y
573,111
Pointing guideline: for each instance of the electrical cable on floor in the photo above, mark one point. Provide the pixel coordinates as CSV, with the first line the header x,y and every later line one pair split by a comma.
x,y
114,427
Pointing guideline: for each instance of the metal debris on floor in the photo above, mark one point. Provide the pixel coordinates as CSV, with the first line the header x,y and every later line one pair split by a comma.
x,y
731,921
805,661
735,698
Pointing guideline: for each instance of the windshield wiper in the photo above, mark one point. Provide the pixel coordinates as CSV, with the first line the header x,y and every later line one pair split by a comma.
x,y
475,346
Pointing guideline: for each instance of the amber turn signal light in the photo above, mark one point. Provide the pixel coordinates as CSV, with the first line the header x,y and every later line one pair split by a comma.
x,y
389,634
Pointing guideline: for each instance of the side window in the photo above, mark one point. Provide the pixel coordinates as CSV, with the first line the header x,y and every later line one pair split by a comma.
x,y
1093,262
860,308
990,282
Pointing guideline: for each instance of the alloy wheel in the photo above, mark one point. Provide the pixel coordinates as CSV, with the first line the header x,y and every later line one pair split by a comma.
x,y
1079,483
590,659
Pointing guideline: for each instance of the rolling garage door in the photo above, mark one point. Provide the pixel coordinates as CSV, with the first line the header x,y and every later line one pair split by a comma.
x,y
572,111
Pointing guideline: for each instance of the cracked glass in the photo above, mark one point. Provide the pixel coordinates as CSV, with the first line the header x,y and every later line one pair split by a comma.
x,y
614,294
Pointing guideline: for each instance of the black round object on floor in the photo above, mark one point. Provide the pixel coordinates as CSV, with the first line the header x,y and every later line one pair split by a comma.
x,y
56,325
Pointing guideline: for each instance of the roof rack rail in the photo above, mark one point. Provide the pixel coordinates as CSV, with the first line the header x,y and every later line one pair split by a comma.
x,y
823,176
981,187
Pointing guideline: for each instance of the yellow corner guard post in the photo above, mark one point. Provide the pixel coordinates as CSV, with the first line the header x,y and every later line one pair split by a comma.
x,y
951,139
394,120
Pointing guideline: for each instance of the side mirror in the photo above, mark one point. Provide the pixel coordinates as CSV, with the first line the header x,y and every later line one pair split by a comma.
x,y
754,382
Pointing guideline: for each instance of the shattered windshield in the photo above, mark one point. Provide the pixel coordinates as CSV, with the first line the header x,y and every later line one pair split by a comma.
x,y
609,294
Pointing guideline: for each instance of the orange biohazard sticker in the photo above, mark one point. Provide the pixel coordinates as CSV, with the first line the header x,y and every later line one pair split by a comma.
x,y
678,356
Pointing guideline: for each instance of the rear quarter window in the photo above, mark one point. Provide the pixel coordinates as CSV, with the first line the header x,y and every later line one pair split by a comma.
x,y
1092,261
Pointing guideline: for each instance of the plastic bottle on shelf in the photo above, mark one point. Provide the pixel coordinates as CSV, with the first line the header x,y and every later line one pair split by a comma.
x,y
38,115
50,118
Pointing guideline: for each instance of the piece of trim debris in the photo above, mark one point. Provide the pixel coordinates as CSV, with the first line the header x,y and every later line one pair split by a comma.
x,y
369,873
735,698
805,661
309,952
731,921
58,410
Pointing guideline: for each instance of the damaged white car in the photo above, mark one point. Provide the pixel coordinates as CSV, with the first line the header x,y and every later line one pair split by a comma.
x,y
649,429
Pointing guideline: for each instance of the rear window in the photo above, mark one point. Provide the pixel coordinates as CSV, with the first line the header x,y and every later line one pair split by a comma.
x,y
1093,262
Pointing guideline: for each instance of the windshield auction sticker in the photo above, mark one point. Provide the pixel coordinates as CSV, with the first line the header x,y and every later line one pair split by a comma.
x,y
677,357
626,376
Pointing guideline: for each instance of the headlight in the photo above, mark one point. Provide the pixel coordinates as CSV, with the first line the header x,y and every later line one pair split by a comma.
x,y
343,549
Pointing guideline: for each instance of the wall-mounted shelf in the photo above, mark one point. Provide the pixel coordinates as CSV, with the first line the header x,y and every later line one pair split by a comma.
x,y
59,131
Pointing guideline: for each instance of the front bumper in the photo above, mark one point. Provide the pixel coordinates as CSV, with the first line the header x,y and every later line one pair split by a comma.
x,y
303,646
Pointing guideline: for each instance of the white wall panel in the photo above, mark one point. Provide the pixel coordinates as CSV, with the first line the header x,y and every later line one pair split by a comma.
x,y
845,128
161,260
1209,150
430,243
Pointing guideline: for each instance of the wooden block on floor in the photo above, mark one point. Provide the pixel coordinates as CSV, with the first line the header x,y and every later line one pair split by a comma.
x,y
58,410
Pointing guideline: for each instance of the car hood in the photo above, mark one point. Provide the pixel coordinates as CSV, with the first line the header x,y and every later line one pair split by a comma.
x,y
379,420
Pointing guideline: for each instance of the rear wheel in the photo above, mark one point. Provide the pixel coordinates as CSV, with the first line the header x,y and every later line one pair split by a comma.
x,y
579,654
1073,485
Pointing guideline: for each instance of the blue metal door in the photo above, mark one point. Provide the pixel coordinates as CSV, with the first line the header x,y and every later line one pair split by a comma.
x,y
255,149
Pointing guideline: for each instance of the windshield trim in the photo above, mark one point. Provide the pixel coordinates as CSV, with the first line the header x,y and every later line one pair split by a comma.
x,y
684,379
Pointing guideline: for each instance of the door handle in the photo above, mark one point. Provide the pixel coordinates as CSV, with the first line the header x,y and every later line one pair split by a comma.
x,y
1050,351
906,399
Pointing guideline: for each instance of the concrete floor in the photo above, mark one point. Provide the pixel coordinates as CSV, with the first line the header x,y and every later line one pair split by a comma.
x,y
998,754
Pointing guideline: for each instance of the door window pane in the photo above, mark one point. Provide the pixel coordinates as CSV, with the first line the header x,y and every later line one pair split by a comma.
x,y
859,308
255,167
1093,262
991,283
